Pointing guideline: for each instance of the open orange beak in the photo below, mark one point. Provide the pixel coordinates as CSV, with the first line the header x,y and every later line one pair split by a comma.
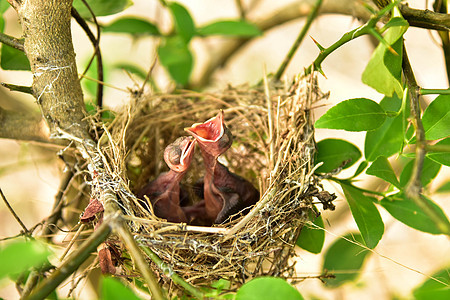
x,y
212,135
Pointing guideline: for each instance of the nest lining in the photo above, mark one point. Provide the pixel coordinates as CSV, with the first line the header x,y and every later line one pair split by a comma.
x,y
273,147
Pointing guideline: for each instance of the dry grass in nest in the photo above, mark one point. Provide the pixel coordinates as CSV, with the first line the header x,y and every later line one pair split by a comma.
x,y
273,147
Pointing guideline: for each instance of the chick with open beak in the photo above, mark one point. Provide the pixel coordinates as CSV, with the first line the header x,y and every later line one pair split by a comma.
x,y
225,193
164,191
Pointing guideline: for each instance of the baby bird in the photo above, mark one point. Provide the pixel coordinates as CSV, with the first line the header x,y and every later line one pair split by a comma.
x,y
225,193
164,191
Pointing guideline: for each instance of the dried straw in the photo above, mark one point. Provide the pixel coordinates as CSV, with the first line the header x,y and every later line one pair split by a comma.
x,y
273,147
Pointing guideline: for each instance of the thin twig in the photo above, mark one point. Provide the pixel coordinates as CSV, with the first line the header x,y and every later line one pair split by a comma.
x,y
96,43
414,185
18,88
277,18
57,205
14,213
312,15
11,41
367,28
173,275
73,261
270,122
72,241
139,261
240,8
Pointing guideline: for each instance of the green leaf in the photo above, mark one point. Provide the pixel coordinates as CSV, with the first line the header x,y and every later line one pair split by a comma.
x,y
4,5
442,158
383,72
388,138
113,289
20,255
336,154
353,115
268,288
311,238
132,26
184,24
366,215
101,7
230,28
444,188
431,289
362,166
406,211
176,57
395,21
429,170
344,259
13,59
436,118
217,290
382,169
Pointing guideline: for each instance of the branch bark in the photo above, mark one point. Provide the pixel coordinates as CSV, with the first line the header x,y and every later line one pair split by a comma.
x,y
48,46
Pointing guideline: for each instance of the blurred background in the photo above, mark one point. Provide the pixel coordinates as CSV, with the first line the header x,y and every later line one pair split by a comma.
x,y
30,173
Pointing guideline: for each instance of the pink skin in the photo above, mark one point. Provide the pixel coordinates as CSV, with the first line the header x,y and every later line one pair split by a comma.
x,y
225,193
164,191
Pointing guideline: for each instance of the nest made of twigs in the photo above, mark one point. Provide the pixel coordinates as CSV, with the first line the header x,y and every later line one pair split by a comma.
x,y
273,148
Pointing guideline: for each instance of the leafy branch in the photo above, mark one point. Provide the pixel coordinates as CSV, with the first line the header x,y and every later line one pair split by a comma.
x,y
368,28
299,40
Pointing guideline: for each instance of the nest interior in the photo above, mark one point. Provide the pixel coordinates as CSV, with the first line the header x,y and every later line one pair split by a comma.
x,y
273,147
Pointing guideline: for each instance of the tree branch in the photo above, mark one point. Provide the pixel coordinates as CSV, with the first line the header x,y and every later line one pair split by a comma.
x,y
11,41
52,59
289,13
23,126
414,186
425,18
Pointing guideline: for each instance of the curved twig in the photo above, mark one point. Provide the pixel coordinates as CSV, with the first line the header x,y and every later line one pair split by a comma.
x,y
96,43
287,14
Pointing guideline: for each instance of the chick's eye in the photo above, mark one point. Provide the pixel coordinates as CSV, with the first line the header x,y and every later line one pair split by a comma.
x,y
174,156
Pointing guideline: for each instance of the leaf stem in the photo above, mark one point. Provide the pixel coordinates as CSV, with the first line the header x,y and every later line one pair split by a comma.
x,y
423,91
26,231
312,15
350,182
438,148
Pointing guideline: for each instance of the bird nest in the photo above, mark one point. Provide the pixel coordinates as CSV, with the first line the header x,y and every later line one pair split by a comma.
x,y
273,147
